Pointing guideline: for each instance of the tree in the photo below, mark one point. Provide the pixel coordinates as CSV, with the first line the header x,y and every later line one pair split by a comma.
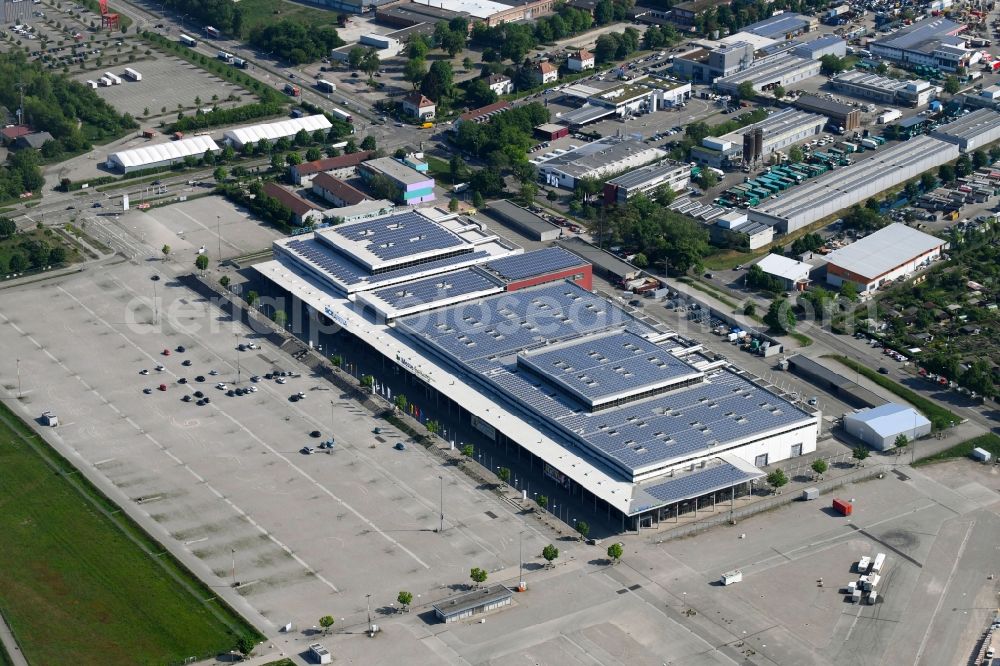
x,y
952,85
745,91
417,48
615,552
57,255
477,199
245,645
927,181
433,427
542,501
795,154
293,158
201,262
468,450
946,173
478,93
313,154
405,599
528,192
224,281
980,159
368,143
453,205
777,479
326,622
778,92
849,291
456,168
902,441
503,474
550,553
708,179
640,260
166,251
819,466
439,81
780,317
414,71
467,63
18,263
750,309
252,297
478,576
219,174
351,147
583,528
7,228
831,65
367,381
355,56
370,63
401,402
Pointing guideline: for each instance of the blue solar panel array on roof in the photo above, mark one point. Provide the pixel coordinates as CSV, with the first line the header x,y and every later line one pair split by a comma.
x,y
399,235
436,288
609,365
700,482
531,264
351,274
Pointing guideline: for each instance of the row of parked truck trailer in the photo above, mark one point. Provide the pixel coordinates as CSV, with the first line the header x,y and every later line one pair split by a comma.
x,y
109,79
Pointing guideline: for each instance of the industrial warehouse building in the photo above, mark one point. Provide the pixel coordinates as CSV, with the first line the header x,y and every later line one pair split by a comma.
x,y
839,114
489,12
625,99
825,45
757,142
161,154
336,191
734,229
342,166
626,414
972,131
591,160
282,129
793,274
523,220
880,426
933,41
782,26
646,180
784,70
890,253
839,189
884,90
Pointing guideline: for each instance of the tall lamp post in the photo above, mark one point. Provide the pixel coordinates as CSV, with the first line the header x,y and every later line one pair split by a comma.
x,y
238,369
234,567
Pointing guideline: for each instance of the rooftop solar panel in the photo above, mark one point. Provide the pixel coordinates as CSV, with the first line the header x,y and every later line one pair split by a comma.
x,y
700,482
531,264
397,236
436,288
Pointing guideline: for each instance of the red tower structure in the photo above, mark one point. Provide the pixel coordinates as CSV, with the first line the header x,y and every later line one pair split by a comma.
x,y
108,20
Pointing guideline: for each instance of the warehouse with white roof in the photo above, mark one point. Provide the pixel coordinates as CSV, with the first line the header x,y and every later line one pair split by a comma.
x,y
282,129
880,426
890,253
161,154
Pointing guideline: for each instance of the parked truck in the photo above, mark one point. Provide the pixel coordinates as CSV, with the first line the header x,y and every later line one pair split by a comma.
x,y
291,90
133,74
888,115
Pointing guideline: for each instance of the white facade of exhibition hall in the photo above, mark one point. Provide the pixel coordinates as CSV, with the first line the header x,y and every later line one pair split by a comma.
x,y
584,467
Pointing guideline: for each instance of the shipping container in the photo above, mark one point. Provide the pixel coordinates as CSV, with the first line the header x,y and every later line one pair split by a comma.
x,y
188,41
888,116
844,507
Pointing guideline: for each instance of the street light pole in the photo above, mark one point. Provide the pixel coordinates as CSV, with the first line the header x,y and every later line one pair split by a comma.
x,y
520,559
218,232
441,521
234,567
18,378
238,369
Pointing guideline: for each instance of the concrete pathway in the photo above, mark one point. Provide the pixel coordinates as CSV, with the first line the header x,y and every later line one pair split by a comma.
x,y
10,644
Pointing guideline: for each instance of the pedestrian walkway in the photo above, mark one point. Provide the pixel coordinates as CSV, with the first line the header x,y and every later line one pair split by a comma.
x,y
10,644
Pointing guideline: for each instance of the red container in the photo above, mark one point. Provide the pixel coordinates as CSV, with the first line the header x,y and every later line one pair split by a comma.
x,y
844,507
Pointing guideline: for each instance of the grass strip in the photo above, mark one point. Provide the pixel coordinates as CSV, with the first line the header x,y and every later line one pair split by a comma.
x,y
988,441
78,576
939,416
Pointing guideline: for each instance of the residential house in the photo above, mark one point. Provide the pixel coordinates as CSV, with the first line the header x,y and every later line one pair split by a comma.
x,y
303,212
500,84
546,72
580,61
417,106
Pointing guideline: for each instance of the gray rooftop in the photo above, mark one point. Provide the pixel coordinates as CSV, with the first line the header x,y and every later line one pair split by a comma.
x,y
970,126
775,69
391,238
466,601
775,26
436,289
824,106
921,36
397,170
645,174
880,252
587,113
532,264
600,258
717,474
599,154
869,80
520,216
609,367
776,123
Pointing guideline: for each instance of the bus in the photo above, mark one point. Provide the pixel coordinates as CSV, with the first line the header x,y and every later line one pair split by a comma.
x,y
188,41
343,115
212,32
325,86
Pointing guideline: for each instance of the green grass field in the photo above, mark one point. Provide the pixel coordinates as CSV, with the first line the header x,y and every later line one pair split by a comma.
x,y
989,441
264,12
80,584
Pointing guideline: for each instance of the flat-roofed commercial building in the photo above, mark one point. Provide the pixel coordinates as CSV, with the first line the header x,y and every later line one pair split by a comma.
x,y
835,190
592,160
971,132
778,131
793,274
475,602
674,175
782,26
523,220
842,115
879,427
933,42
884,90
825,45
784,70
890,253
412,186
161,154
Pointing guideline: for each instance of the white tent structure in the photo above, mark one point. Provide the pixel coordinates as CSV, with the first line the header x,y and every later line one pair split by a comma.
x,y
161,154
277,130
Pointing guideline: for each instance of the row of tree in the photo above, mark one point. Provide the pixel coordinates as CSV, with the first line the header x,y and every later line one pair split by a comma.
x,y
230,116
20,174
295,42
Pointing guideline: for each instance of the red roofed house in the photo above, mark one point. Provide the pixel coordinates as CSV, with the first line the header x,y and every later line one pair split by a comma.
x,y
303,211
418,106
482,114
342,166
580,61
546,72
336,191
13,132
